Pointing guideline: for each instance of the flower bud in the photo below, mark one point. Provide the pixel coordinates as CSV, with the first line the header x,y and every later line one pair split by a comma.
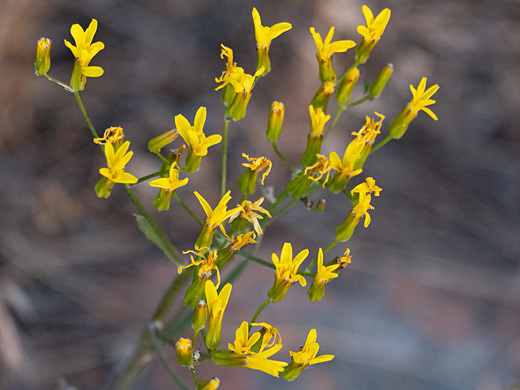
x,y
275,122
247,181
157,143
320,206
346,85
184,348
321,98
43,56
195,292
200,316
163,199
381,80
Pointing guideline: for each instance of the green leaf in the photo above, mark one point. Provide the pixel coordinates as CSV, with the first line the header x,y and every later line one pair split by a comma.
x,y
151,234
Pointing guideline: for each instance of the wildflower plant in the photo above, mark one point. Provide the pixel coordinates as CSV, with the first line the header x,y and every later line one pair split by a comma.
x,y
232,230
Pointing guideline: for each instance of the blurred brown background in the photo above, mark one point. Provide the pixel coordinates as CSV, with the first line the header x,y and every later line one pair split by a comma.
x,y
432,297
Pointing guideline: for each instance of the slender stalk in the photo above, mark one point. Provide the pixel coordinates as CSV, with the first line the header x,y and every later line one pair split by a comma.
x,y
257,260
358,102
262,307
335,120
85,115
66,86
187,209
164,159
171,251
383,142
158,350
224,156
281,157
192,370
143,353
148,177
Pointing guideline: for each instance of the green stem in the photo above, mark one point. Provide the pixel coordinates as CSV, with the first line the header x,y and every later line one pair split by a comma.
x,y
281,157
143,352
164,159
85,115
187,209
224,156
192,370
257,260
67,87
148,177
335,120
170,250
383,142
158,350
358,102
262,307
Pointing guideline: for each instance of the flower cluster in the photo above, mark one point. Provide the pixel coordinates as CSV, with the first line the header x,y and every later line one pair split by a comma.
x,y
226,232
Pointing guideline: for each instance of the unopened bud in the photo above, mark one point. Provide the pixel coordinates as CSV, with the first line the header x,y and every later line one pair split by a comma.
x,y
43,56
320,206
275,122
157,143
200,315
346,85
381,80
184,348
321,98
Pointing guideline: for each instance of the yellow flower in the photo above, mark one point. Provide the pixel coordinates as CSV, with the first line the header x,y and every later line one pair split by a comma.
x,y
318,121
345,259
361,209
270,335
246,211
184,348
214,218
84,51
371,32
194,135
323,275
286,272
244,343
345,168
420,101
216,306
247,181
305,357
367,187
370,130
326,49
230,65
170,183
206,262
242,240
111,135
315,172
421,98
375,28
116,162
264,35
243,84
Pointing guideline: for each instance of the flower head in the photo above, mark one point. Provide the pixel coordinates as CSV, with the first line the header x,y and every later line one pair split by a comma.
x,y
375,27
370,130
421,98
111,135
217,303
84,51
371,32
264,35
206,262
116,162
247,181
361,209
247,211
214,218
172,182
305,357
326,49
345,259
345,168
194,135
323,275
318,121
420,101
286,272
184,348
242,240
367,187
322,167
